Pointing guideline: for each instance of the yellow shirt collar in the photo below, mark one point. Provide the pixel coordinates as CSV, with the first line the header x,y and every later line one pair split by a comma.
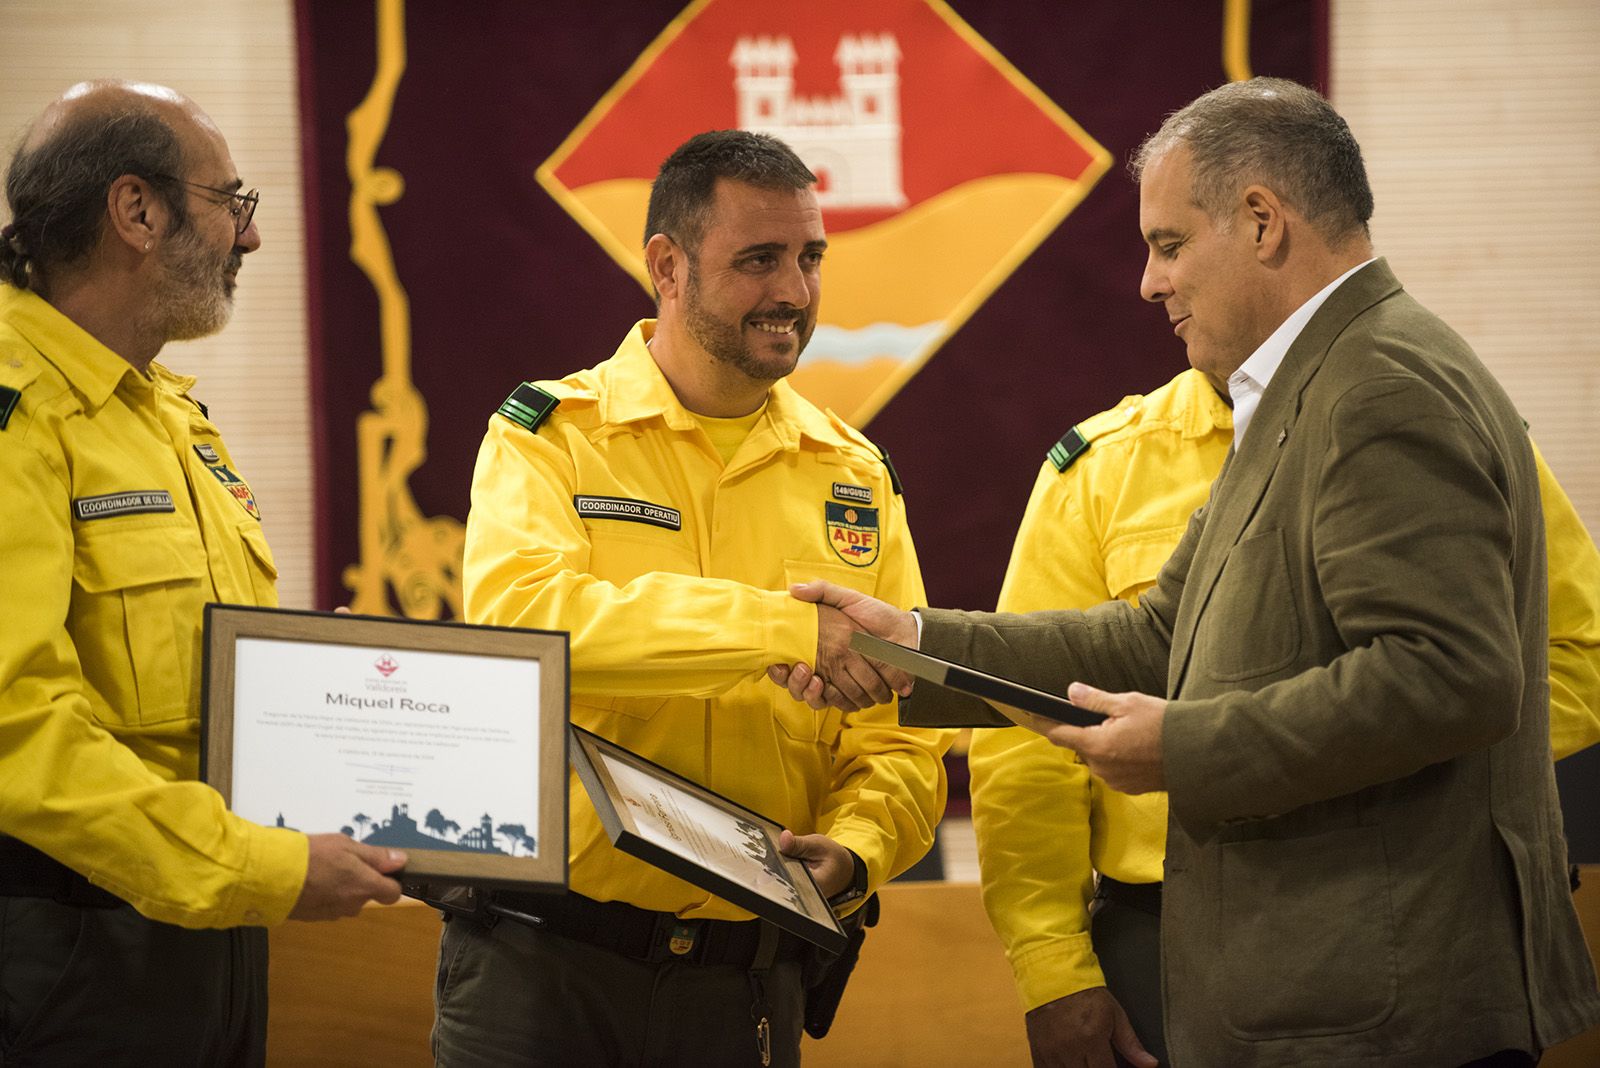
x,y
636,389
92,369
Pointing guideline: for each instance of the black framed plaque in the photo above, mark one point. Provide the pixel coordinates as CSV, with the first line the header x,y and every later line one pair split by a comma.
x,y
446,740
1003,693
701,837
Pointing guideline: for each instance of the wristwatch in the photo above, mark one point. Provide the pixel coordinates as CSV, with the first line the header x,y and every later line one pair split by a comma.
x,y
858,884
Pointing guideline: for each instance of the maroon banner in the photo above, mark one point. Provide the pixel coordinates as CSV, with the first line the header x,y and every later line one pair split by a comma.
x,y
471,171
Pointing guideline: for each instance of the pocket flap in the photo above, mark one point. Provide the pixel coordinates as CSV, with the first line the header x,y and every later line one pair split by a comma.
x,y
1133,563
255,540
115,559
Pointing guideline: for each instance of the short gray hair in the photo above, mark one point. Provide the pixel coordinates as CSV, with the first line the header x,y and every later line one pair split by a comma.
x,y
1276,133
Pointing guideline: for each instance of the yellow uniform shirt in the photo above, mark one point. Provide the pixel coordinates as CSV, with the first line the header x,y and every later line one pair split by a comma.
x,y
121,515
617,520
1101,529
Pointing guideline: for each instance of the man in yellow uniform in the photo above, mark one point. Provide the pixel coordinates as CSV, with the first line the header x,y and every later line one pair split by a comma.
x,y
121,515
657,507
1108,508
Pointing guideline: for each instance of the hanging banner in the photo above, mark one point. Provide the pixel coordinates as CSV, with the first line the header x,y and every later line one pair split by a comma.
x,y
476,180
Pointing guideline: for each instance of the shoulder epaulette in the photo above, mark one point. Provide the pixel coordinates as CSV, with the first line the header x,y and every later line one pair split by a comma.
x,y
894,476
1071,446
8,404
528,406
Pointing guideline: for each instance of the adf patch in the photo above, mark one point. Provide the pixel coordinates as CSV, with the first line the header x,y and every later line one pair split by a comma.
x,y
853,533
236,486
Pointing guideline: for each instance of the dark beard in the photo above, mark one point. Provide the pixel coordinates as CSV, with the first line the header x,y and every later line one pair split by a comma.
x,y
726,343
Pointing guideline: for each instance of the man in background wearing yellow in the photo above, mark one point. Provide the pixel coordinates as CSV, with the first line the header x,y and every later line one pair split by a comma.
x,y
1108,508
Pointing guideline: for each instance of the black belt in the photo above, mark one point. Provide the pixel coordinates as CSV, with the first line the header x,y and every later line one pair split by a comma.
x,y
26,872
1146,897
648,936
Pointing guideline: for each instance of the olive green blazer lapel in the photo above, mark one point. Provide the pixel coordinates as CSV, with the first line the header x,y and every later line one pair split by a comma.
x,y
1237,494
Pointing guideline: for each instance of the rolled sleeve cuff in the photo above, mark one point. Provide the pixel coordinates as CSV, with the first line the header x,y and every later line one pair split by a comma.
x,y
791,631
272,879
1055,970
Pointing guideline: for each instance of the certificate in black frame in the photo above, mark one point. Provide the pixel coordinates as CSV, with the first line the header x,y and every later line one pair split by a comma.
x,y
702,837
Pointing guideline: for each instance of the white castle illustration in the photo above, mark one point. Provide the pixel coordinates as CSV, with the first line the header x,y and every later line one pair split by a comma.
x,y
851,140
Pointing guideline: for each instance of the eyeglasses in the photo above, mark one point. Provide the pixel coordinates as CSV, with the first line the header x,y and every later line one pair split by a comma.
x,y
242,206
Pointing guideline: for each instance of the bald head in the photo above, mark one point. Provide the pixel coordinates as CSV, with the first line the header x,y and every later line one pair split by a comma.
x,y
108,97
84,141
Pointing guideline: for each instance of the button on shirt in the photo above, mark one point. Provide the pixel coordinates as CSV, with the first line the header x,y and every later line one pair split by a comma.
x,y
1250,381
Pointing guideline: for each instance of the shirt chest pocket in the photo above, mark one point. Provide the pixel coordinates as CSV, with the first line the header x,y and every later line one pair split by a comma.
x,y
137,599
1133,563
620,551
261,568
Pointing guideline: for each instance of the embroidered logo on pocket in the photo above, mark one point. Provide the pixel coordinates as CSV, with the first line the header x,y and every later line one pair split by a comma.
x,y
853,533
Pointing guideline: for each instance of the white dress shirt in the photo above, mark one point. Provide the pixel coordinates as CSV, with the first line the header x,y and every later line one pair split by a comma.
x,y
1247,384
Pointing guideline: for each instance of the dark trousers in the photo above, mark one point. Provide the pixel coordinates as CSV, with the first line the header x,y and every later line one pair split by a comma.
x,y
1125,929
107,987
510,995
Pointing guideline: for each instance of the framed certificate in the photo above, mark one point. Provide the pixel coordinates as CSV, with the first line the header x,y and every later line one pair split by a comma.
x,y
969,680
701,837
442,739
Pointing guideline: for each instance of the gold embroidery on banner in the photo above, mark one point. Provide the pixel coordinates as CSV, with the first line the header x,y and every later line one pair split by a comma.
x,y
416,556
1236,40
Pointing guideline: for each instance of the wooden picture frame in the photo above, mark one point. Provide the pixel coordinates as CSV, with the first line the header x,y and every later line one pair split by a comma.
x,y
303,712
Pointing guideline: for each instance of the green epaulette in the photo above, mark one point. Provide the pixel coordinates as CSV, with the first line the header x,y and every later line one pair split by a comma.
x,y
8,404
894,476
528,406
1072,445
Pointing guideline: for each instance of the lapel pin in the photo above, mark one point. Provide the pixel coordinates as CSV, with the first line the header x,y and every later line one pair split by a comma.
x,y
1283,435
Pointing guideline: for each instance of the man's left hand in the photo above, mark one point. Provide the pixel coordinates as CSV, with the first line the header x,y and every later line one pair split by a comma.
x,y
831,864
1125,750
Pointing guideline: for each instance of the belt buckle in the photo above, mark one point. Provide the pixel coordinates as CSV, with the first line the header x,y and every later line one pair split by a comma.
x,y
677,939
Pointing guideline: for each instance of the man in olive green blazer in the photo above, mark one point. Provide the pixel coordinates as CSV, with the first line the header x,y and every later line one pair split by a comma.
x,y
1364,857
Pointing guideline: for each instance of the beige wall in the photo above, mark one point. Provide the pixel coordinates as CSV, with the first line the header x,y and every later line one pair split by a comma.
x,y
236,59
1480,119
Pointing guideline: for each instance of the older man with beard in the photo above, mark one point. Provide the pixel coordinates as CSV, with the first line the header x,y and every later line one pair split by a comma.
x,y
132,903
658,506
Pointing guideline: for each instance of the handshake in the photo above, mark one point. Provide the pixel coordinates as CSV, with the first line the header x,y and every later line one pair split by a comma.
x,y
1125,750
842,678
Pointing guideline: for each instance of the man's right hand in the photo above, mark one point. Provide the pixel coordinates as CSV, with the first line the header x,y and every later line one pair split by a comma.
x,y
342,875
1079,1031
842,678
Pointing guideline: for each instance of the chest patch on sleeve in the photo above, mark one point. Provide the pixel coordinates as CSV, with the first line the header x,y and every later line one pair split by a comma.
x,y
628,510
238,487
134,502
852,533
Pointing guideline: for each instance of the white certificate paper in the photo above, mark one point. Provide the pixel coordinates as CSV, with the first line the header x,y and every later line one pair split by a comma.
x,y
714,838
405,747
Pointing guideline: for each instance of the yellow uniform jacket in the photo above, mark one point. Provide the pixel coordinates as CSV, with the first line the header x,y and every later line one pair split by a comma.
x,y
1101,529
617,521
121,515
